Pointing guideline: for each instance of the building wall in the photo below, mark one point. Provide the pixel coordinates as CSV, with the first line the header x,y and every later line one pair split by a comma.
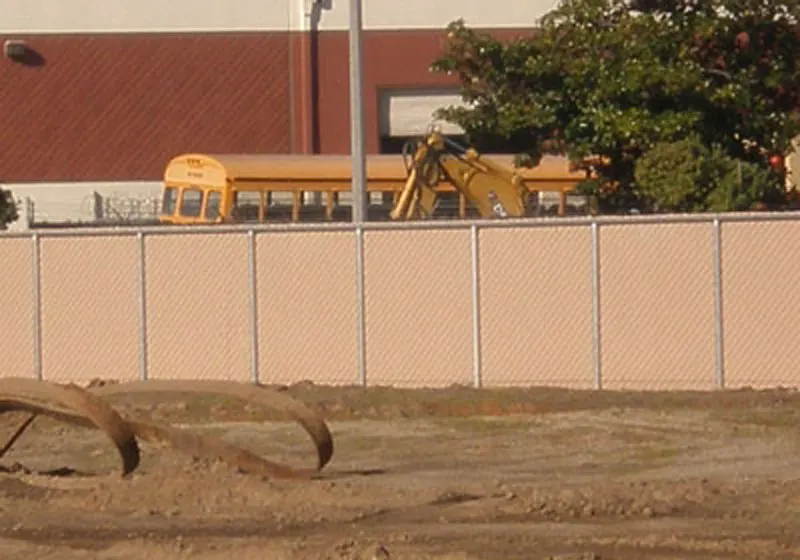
x,y
118,107
81,202
392,60
124,16
118,88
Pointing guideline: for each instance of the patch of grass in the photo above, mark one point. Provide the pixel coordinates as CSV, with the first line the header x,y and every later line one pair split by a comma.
x,y
772,417
362,443
635,437
647,453
564,435
486,425
640,458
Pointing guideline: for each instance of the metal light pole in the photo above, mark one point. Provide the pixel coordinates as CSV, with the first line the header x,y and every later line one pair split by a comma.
x,y
357,152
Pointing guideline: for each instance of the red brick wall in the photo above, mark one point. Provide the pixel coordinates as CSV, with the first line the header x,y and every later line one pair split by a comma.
x,y
118,107
391,59
112,107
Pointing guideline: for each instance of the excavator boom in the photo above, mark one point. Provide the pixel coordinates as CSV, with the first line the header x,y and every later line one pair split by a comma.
x,y
492,189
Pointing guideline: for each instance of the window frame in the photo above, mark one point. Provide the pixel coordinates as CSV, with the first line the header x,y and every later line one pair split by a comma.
x,y
218,212
175,191
184,192
235,199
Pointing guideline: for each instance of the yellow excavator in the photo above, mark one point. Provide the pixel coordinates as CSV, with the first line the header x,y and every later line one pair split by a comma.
x,y
494,190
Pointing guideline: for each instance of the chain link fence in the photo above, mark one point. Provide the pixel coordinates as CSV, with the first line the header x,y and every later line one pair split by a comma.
x,y
88,313
648,303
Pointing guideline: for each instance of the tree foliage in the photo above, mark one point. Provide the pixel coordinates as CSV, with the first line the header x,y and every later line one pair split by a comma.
x,y
611,79
8,209
688,176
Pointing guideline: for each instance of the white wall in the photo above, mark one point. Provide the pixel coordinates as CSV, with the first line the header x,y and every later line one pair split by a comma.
x,y
68,16
74,202
109,16
427,14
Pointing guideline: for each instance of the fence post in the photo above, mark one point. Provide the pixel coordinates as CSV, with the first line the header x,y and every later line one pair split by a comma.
x,y
37,306
253,306
596,354
719,352
142,301
360,308
476,310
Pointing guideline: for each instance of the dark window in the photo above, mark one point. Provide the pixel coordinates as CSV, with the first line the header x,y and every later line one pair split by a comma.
x,y
191,203
168,201
212,205
246,205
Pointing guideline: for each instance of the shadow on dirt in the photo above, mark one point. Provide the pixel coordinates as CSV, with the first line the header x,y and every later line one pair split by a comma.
x,y
18,468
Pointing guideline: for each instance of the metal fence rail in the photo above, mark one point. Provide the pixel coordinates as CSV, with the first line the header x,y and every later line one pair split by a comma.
x,y
656,302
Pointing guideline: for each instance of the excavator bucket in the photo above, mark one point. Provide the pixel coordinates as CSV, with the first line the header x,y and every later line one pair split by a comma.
x,y
495,191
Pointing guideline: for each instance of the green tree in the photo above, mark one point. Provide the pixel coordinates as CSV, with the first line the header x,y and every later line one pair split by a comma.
x,y
611,79
8,209
688,176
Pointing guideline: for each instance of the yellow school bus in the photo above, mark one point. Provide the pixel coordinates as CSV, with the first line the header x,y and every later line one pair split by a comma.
x,y
233,188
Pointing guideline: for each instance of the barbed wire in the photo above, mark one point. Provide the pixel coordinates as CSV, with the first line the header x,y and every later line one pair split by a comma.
x,y
126,207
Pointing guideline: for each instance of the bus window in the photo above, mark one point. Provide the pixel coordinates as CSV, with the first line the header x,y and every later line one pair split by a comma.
x,y
246,206
168,201
191,203
212,205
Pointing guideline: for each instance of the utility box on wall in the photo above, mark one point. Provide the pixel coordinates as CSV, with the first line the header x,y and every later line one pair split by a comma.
x,y
14,48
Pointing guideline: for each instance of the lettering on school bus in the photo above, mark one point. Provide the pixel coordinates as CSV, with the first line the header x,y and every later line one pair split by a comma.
x,y
195,170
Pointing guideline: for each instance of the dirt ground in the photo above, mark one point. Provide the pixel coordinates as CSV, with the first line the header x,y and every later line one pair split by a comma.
x,y
449,474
